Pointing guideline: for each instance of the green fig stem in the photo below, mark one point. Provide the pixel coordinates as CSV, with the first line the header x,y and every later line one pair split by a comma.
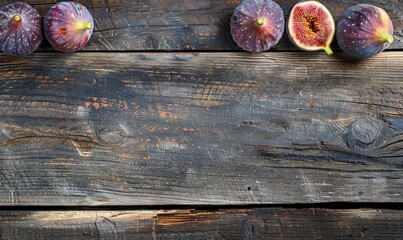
x,y
17,18
386,37
259,21
87,25
328,50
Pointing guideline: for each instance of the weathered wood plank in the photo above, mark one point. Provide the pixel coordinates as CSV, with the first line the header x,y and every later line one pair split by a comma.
x,y
212,128
184,24
203,224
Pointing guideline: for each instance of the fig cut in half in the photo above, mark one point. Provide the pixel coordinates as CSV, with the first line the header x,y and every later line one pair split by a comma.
x,y
311,26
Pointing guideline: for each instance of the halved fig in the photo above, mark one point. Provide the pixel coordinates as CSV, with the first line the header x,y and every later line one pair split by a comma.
x,y
311,26
364,30
257,25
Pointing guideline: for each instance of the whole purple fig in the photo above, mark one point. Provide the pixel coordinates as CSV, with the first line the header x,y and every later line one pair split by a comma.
x,y
20,29
68,26
257,25
364,31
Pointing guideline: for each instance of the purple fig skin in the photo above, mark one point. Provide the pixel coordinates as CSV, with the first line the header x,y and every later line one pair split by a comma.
x,y
364,30
20,29
257,25
68,26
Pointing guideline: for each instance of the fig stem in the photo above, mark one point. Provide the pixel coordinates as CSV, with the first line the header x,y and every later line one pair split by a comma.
x,y
259,21
386,37
328,50
17,18
87,25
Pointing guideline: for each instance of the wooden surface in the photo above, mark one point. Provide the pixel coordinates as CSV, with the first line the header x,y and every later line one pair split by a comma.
x,y
201,224
162,110
200,128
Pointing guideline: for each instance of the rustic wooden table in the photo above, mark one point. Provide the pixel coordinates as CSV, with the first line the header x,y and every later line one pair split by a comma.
x,y
161,128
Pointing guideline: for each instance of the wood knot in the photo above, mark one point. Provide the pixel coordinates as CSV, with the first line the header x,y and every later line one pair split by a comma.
x,y
362,133
111,135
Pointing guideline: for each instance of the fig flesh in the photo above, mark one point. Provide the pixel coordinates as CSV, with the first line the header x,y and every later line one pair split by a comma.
x,y
68,26
257,25
364,30
311,26
20,29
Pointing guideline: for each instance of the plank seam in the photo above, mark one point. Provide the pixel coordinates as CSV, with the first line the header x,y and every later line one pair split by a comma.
x,y
332,205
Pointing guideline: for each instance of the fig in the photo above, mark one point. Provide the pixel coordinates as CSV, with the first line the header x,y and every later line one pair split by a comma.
x,y
257,25
364,30
20,29
311,26
68,26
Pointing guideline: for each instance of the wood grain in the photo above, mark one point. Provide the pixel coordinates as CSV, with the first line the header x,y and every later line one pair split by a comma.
x,y
199,128
185,25
204,224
